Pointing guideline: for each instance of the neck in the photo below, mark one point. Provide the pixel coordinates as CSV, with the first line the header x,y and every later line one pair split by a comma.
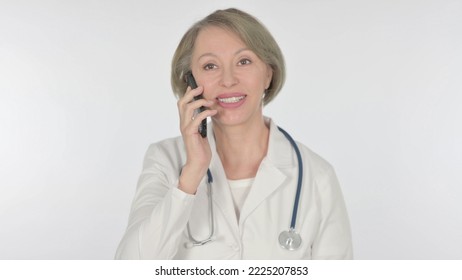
x,y
242,148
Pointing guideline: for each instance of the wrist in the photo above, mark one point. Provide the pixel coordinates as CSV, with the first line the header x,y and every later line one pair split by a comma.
x,y
190,179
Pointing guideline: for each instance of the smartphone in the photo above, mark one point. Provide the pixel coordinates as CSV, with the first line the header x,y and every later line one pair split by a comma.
x,y
192,83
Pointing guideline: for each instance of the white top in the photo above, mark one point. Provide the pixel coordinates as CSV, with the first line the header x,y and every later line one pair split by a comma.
x,y
239,191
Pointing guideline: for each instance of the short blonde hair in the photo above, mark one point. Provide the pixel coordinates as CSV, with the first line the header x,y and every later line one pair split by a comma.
x,y
253,33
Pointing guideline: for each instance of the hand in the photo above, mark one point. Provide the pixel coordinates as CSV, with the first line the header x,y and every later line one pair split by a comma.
x,y
198,151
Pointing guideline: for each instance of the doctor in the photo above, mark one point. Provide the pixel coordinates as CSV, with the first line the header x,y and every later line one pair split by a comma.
x,y
231,195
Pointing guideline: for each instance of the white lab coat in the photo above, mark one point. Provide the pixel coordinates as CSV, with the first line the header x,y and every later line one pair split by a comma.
x,y
160,211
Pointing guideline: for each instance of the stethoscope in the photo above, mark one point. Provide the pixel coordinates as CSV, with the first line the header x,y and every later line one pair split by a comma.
x,y
288,239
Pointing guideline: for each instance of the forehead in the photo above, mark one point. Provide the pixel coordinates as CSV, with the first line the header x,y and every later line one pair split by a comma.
x,y
214,37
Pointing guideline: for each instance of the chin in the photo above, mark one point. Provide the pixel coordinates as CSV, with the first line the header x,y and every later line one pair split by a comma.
x,y
233,119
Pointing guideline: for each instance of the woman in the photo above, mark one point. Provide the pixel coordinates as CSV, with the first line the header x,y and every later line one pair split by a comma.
x,y
177,213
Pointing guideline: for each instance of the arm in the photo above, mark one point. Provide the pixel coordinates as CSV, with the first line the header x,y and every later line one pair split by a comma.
x,y
159,212
161,209
333,240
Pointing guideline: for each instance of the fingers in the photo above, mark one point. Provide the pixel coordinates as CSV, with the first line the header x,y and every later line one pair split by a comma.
x,y
189,126
189,96
188,109
187,104
197,119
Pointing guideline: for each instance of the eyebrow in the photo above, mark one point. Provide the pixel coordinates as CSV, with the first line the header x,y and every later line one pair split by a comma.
x,y
214,55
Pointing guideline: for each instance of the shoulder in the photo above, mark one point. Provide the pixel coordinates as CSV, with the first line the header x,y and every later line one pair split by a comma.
x,y
169,145
169,151
282,152
317,164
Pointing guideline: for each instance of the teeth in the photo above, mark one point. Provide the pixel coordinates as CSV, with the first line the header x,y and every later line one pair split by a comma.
x,y
231,99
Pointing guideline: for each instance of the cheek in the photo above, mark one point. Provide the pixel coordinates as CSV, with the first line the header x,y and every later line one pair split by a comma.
x,y
263,82
268,76
263,76
208,86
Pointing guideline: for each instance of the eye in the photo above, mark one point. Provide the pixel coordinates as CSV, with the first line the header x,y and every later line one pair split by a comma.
x,y
209,66
244,61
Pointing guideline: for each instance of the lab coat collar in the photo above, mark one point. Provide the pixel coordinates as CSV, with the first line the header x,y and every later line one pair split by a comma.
x,y
279,148
269,178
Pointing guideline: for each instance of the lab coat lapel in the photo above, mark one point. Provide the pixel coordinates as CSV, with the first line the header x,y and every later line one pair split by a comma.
x,y
269,178
272,172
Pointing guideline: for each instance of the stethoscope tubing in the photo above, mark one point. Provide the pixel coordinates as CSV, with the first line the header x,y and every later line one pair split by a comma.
x,y
300,177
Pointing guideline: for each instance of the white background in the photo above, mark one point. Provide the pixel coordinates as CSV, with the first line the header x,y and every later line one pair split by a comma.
x,y
375,87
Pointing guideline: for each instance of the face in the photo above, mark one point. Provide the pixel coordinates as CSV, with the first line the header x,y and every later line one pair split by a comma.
x,y
232,75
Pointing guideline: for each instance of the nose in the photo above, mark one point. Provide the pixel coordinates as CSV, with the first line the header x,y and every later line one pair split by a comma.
x,y
228,77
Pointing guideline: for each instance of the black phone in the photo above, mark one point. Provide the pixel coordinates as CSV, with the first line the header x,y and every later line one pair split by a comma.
x,y
192,83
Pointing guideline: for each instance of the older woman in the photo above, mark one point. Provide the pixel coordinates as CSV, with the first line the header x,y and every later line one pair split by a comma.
x,y
246,190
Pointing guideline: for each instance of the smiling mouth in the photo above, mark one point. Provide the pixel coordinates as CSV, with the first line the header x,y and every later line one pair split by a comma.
x,y
230,100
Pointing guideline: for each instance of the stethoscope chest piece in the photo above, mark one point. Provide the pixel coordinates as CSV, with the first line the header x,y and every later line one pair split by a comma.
x,y
290,240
